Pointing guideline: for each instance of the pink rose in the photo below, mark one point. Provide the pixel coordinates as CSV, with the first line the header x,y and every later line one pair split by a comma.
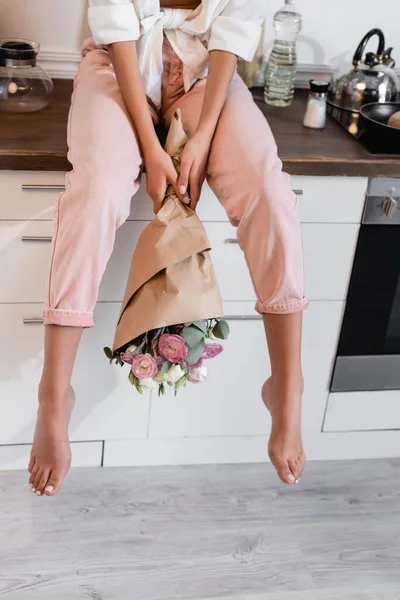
x,y
211,350
144,366
172,347
197,375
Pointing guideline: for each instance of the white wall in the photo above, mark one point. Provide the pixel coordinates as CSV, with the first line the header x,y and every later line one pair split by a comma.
x,y
330,34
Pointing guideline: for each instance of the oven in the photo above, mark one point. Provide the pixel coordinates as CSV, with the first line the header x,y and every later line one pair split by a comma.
x,y
368,355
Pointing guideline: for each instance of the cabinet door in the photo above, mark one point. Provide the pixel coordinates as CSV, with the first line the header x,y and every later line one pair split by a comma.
x,y
106,404
229,403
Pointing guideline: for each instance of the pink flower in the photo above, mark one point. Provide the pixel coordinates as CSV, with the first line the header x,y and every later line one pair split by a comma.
x,y
144,366
127,357
172,347
211,350
197,375
195,365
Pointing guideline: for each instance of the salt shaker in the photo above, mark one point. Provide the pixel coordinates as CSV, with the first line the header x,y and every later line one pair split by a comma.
x,y
315,116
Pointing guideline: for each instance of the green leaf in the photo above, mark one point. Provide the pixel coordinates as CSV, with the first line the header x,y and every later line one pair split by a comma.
x,y
166,367
195,353
108,352
137,384
202,325
161,390
192,336
181,382
221,330
131,378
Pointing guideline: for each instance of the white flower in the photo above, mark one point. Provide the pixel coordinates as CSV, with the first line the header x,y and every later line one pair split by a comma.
x,y
131,349
148,383
174,374
198,375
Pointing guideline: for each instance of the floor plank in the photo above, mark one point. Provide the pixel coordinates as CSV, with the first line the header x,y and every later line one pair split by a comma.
x,y
220,532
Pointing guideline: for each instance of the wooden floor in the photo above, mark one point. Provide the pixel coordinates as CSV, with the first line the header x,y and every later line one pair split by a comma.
x,y
213,532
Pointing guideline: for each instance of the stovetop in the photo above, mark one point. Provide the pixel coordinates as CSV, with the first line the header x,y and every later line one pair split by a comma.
x,y
350,121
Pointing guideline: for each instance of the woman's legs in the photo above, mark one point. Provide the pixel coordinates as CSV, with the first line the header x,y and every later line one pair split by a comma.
x,y
106,166
246,175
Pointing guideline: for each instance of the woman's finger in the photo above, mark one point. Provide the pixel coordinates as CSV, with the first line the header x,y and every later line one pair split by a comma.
x,y
195,184
183,181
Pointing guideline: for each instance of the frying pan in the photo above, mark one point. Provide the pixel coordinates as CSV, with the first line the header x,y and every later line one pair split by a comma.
x,y
374,117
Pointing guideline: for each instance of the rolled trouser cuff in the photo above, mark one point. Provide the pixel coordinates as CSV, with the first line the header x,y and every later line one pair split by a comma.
x,y
282,309
67,318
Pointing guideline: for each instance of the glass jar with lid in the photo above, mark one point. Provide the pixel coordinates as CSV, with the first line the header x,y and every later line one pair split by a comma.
x,y
24,86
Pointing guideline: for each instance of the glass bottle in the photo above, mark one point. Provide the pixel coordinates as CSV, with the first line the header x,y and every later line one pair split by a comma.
x,y
281,69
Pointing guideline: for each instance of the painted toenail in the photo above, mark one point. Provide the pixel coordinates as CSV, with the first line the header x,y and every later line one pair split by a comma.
x,y
290,477
297,480
49,488
33,490
38,493
31,486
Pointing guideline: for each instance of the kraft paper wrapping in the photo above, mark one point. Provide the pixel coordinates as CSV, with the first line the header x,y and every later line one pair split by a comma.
x,y
171,279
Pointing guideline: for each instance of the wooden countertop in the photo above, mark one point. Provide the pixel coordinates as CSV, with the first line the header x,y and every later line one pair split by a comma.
x,y
37,141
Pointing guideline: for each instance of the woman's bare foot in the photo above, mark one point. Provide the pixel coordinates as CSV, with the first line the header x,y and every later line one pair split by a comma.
x,y
285,447
51,454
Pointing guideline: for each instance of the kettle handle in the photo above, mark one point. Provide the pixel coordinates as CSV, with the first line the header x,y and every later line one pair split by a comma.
x,y
362,45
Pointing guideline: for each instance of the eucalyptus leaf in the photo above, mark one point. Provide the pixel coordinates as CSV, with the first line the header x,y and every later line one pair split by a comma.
x,y
202,325
195,353
108,352
221,330
192,336
166,367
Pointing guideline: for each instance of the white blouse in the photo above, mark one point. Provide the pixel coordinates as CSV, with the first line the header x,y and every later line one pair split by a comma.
x,y
230,25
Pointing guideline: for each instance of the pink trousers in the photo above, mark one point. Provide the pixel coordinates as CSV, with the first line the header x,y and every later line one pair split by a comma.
x,y
244,172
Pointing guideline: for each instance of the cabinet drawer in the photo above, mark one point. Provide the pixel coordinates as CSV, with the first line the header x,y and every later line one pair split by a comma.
x,y
25,247
84,454
25,253
330,199
107,406
363,411
328,253
29,195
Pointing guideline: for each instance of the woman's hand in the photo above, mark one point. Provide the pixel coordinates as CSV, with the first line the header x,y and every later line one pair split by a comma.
x,y
193,168
160,172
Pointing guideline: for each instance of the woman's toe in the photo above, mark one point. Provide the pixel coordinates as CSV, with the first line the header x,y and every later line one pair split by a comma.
x,y
294,469
43,482
53,485
31,464
32,478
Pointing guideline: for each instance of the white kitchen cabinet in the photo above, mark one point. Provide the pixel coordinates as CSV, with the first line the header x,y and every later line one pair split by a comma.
x,y
84,454
229,403
29,195
25,258
25,253
106,406
328,257
363,411
330,199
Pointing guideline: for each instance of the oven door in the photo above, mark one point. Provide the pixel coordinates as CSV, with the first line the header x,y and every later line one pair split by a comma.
x,y
368,356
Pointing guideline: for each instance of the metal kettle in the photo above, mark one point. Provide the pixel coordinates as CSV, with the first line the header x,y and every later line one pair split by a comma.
x,y
371,80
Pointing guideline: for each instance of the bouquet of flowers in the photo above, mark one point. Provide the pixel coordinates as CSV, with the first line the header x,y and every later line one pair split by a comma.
x,y
170,316
171,355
